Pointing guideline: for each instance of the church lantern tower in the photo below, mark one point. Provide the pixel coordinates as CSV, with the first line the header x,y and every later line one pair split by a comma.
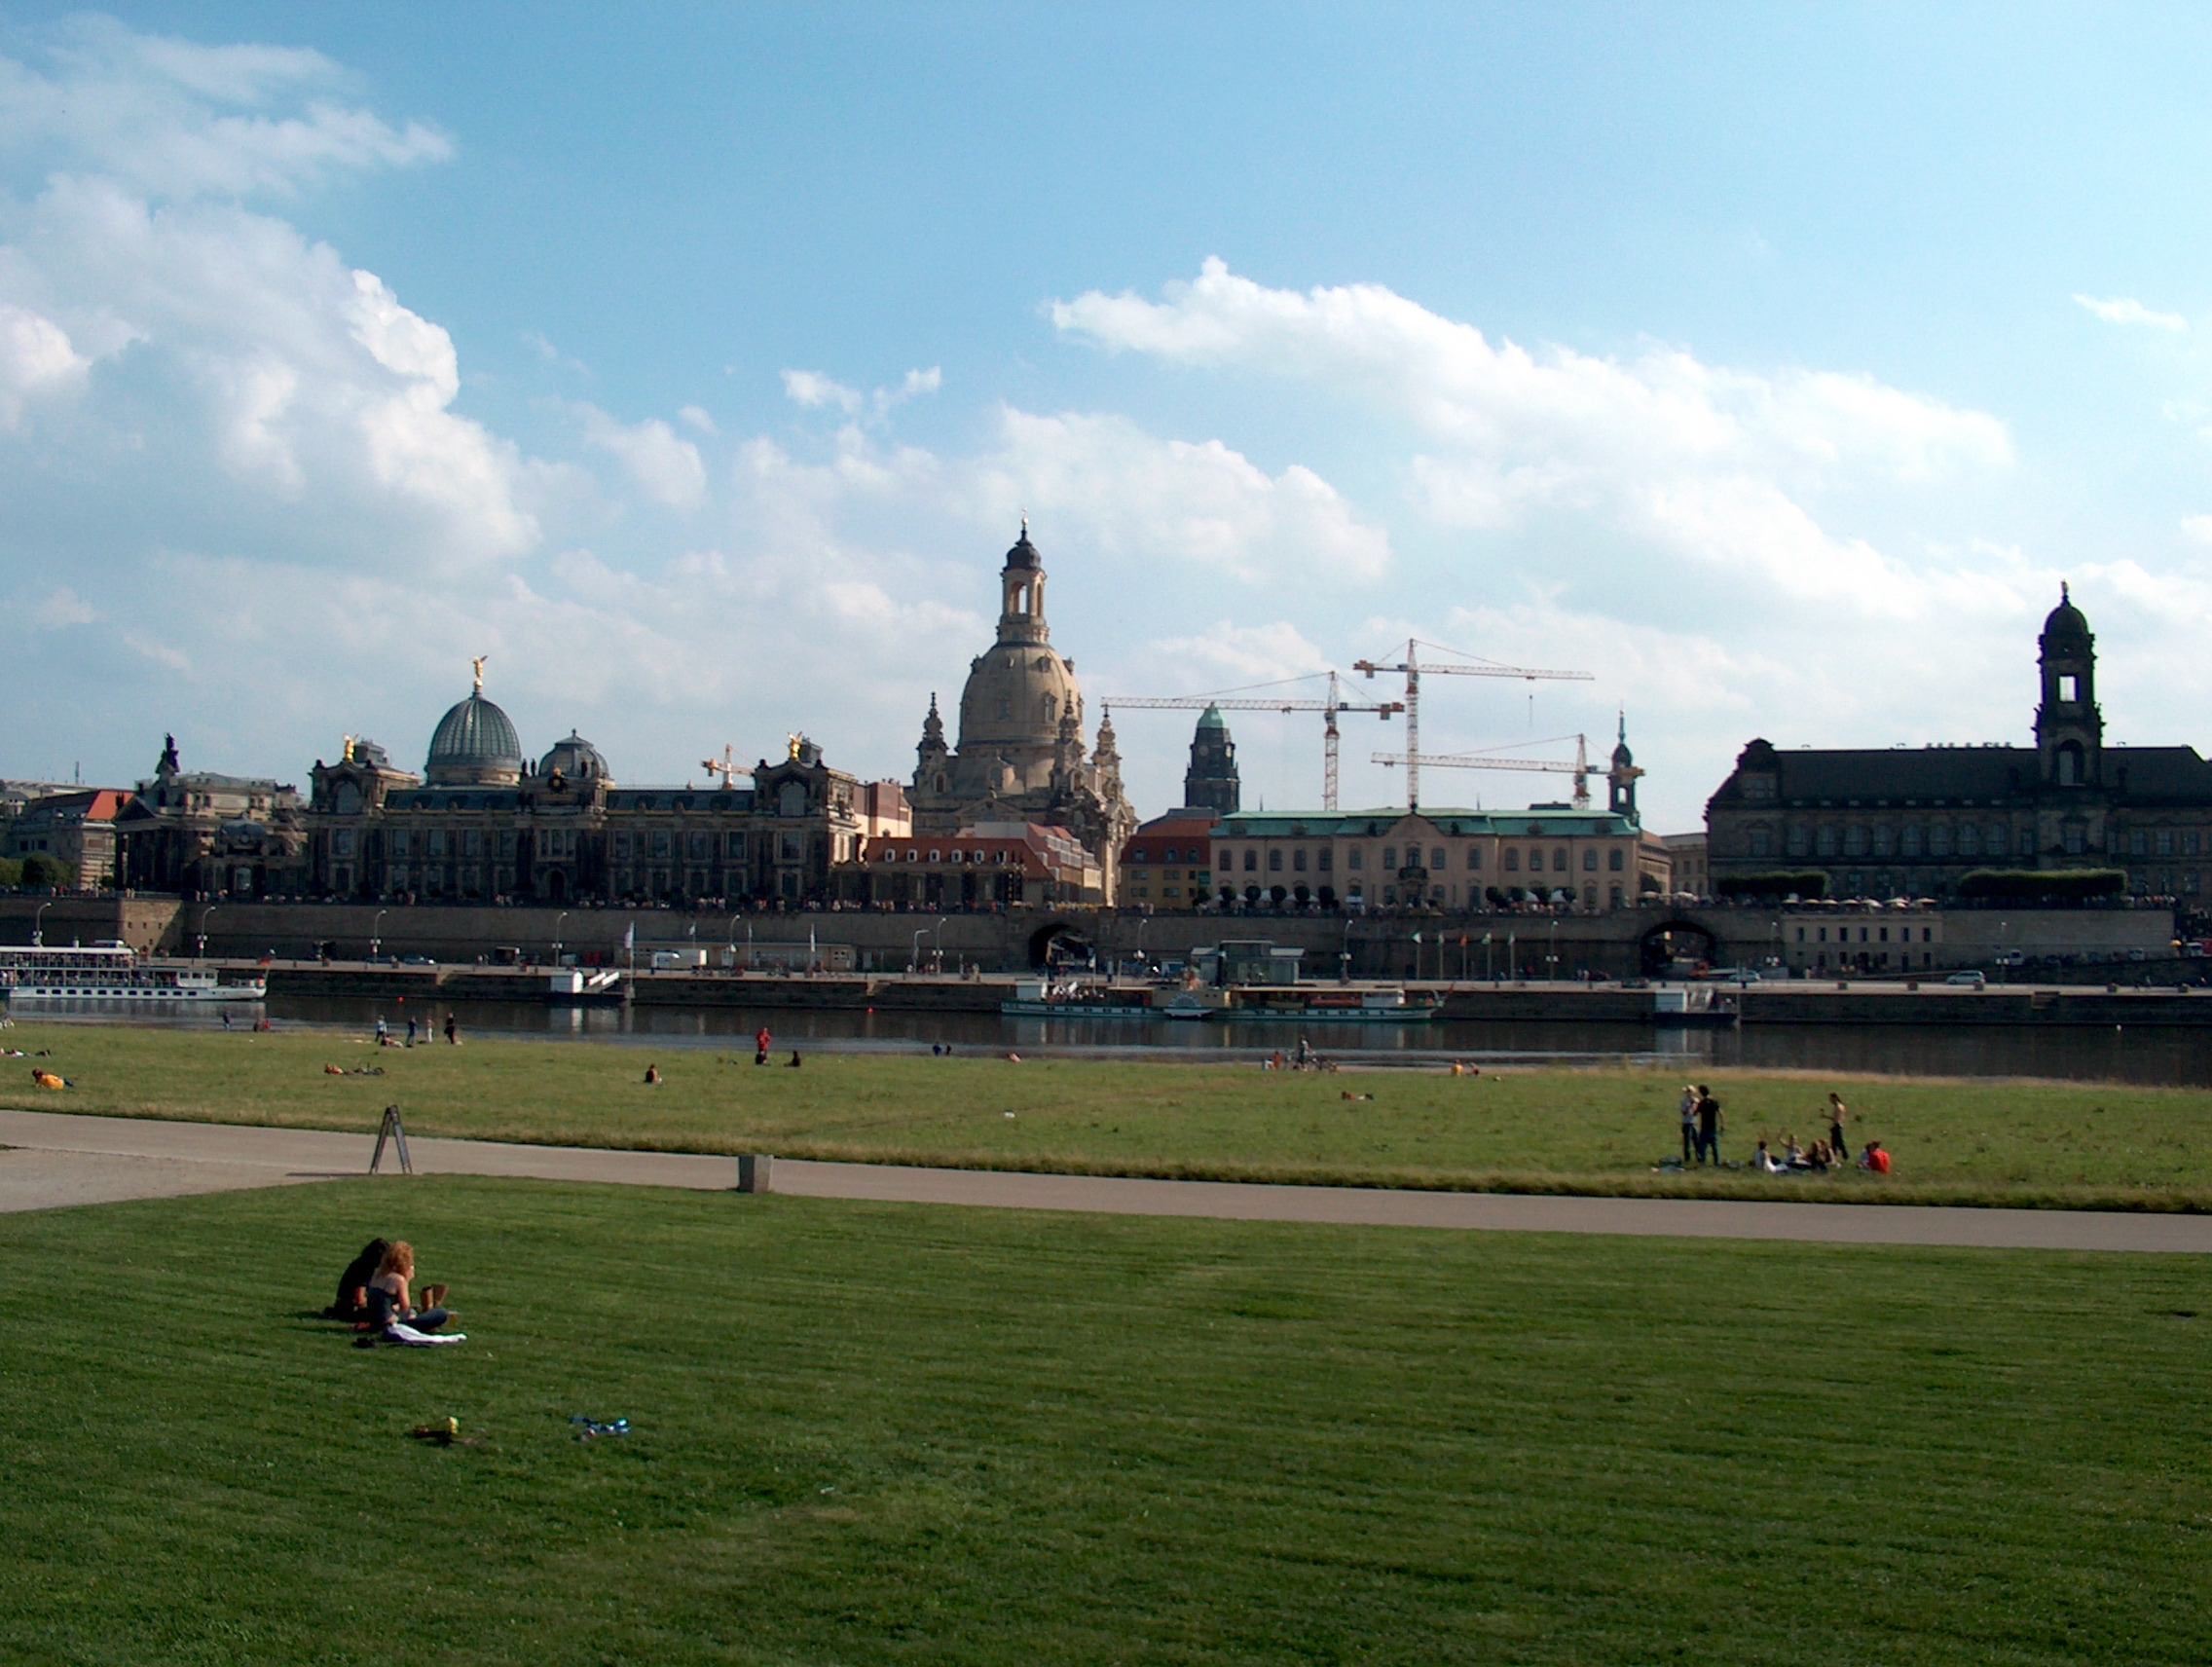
x,y
2070,730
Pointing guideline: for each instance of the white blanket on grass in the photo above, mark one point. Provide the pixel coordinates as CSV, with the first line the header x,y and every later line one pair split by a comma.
x,y
396,1332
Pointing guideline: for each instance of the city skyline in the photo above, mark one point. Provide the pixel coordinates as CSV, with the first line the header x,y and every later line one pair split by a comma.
x,y
697,366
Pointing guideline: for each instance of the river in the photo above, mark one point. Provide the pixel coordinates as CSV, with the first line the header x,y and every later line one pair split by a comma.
x,y
2150,1055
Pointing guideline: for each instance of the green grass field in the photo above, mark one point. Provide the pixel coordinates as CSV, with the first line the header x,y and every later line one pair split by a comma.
x,y
1955,1140
898,1434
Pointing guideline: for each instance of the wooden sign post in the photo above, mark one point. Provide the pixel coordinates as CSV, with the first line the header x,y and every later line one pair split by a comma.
x,y
397,1135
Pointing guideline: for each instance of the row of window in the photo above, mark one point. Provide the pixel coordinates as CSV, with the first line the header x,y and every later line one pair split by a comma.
x,y
1945,841
1439,859
1881,934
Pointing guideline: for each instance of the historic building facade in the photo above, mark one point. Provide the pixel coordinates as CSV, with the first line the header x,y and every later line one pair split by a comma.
x,y
206,834
1914,821
485,823
1019,757
1454,860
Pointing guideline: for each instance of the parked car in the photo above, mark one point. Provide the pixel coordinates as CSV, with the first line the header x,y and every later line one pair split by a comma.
x,y
1968,980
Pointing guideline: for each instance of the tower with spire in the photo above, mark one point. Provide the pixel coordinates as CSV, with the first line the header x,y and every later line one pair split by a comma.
x,y
1620,779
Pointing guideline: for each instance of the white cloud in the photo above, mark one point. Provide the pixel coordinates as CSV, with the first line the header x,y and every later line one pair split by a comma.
x,y
814,391
175,118
2125,309
697,417
1139,497
36,358
63,608
665,466
1712,465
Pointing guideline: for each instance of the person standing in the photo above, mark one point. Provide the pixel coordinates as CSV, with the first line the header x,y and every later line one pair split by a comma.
x,y
1709,1126
1837,1111
1689,1122
383,1036
760,1041
452,1028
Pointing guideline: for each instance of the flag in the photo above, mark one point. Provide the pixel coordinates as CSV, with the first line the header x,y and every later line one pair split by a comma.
x,y
1416,936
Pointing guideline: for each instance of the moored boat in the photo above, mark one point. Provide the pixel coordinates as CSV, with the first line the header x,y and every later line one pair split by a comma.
x,y
111,972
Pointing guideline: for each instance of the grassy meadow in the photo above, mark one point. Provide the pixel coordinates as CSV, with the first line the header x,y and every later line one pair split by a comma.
x,y
898,1435
1959,1140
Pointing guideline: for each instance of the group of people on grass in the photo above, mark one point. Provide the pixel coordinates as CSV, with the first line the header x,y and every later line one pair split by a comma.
x,y
376,1296
1703,1121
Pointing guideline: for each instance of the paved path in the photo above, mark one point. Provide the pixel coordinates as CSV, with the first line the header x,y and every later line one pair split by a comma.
x,y
65,1160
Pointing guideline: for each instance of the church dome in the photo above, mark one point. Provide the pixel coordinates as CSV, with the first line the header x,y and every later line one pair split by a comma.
x,y
475,744
575,758
1211,720
1017,694
2065,623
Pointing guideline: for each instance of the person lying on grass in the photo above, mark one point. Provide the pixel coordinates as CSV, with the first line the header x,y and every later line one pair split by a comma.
x,y
388,1303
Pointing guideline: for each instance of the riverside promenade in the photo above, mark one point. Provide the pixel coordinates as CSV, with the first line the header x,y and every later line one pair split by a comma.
x,y
57,1160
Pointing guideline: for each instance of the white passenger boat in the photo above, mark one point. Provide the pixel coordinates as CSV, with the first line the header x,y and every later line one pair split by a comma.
x,y
111,972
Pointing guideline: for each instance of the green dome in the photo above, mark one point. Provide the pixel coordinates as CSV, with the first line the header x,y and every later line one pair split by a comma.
x,y
1211,718
474,743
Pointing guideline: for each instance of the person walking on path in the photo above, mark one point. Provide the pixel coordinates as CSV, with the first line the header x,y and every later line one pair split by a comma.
x,y
1709,1126
1689,1122
1837,1111
760,1041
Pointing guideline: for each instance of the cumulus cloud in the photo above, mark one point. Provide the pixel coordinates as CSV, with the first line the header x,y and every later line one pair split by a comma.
x,y
2125,309
176,119
36,358
665,466
1712,464
815,392
1137,495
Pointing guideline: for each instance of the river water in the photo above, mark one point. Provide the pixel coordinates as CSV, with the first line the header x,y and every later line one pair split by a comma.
x,y
2171,1055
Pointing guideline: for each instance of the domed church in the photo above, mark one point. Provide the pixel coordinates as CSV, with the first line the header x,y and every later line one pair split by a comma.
x,y
1021,757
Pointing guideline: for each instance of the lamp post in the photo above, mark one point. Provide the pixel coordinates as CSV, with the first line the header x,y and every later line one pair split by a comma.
x,y
1343,955
915,954
375,942
557,919
38,938
1140,946
1551,967
939,942
201,953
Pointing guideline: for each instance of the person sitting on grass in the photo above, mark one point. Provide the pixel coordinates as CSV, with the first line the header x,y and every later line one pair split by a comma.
x,y
1817,1159
653,1076
1792,1154
1764,1161
388,1303
352,1302
1874,1159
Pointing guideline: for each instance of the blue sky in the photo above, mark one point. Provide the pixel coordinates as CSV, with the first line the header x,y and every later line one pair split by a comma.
x,y
1771,363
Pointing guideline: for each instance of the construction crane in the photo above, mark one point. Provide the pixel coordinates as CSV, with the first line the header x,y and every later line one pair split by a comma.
x,y
1412,668
726,767
1328,708
1578,767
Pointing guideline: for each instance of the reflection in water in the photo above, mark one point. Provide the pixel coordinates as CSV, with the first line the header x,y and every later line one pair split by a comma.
x,y
2146,1055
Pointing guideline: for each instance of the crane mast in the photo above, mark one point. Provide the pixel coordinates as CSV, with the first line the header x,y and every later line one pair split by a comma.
x,y
1412,668
1328,709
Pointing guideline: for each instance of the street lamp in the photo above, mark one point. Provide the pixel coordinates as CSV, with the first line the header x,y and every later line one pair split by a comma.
x,y
375,942
38,938
915,954
557,919
201,953
939,942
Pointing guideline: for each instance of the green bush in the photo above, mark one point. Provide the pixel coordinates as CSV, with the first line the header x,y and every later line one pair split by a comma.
x,y
40,869
1805,882
10,872
2054,885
